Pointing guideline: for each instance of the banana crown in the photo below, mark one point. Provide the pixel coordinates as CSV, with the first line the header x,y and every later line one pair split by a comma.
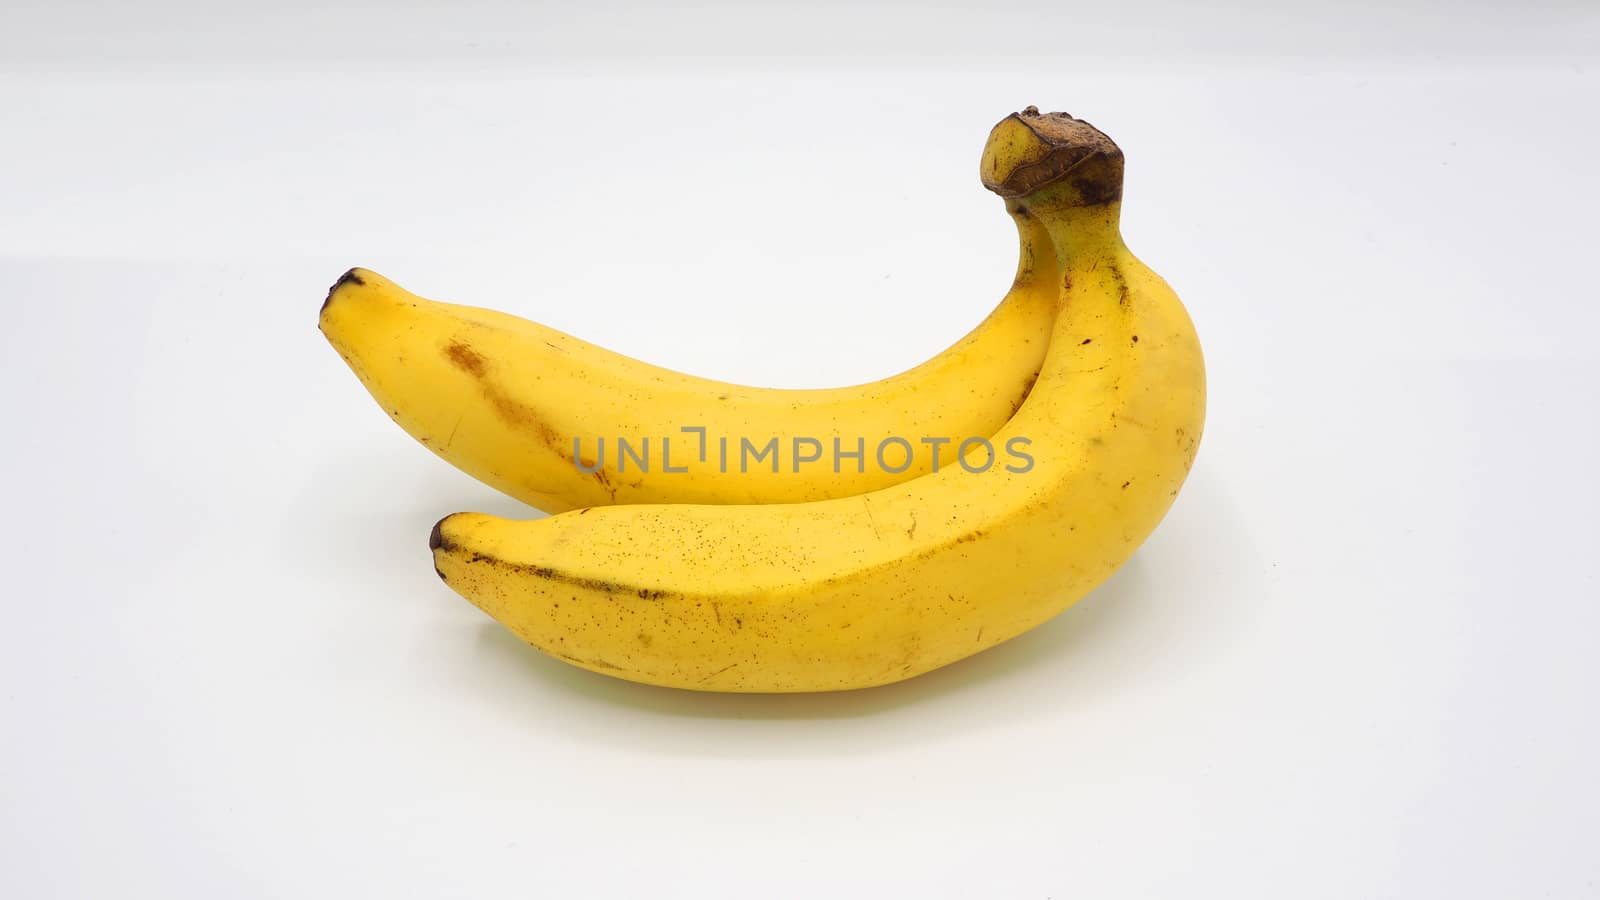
x,y
1029,151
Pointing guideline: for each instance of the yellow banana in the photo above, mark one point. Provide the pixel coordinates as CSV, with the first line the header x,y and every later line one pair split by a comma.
x,y
875,588
560,423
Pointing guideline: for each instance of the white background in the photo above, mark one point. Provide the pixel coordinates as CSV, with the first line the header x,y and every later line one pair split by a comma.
x,y
1357,660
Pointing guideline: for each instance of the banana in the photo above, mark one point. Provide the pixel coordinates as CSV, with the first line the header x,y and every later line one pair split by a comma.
x,y
870,589
560,423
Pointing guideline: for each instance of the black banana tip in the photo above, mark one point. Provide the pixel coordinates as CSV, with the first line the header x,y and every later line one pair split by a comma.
x,y
436,541
351,277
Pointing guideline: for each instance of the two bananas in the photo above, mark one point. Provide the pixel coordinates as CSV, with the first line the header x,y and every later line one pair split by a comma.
x,y
720,537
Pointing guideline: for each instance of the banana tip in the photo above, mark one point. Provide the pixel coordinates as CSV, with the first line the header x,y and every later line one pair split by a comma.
x,y
435,543
352,276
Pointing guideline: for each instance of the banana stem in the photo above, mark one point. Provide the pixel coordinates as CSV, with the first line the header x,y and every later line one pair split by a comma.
x,y
1036,259
1081,233
1063,172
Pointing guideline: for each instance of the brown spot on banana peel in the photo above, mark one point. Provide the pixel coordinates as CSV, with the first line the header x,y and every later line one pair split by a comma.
x,y
555,575
438,542
586,663
604,480
1027,388
514,412
466,359
1122,285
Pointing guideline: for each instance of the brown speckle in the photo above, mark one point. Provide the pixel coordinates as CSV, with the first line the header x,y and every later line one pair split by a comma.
x,y
1122,285
717,672
604,479
588,663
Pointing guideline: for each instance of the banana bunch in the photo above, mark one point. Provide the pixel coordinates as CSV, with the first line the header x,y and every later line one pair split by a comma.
x,y
720,537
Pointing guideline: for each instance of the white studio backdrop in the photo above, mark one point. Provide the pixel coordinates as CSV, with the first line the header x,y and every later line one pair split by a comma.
x,y
1356,660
